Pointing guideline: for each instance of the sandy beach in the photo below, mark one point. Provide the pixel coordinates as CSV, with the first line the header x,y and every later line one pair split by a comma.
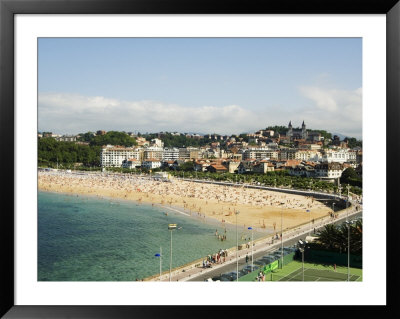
x,y
257,208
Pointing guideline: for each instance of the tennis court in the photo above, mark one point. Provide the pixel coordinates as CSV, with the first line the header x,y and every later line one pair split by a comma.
x,y
312,274
293,271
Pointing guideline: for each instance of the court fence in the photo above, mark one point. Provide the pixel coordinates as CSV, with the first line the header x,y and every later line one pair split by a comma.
x,y
329,258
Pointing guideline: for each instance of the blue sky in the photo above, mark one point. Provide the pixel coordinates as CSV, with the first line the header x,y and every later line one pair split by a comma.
x,y
206,85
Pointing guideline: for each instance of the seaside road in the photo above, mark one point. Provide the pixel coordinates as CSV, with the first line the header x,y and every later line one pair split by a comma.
x,y
260,248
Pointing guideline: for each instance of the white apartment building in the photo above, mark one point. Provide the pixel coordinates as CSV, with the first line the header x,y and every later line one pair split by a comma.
x,y
157,142
339,156
170,154
260,153
66,138
308,155
113,156
131,163
151,163
328,170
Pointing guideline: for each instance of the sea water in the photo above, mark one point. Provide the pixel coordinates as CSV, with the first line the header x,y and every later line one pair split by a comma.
x,y
83,238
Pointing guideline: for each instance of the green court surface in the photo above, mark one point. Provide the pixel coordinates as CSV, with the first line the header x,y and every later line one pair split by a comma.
x,y
311,274
293,271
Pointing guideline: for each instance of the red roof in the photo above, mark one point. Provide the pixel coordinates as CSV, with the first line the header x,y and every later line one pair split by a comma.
x,y
218,167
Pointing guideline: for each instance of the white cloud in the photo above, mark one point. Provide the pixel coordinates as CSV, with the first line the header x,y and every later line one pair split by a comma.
x,y
71,113
337,111
323,99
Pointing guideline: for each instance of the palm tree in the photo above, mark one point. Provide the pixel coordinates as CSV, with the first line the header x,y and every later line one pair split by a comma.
x,y
335,238
329,238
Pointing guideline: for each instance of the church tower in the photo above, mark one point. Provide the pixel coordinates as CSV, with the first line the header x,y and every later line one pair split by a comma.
x,y
303,131
290,130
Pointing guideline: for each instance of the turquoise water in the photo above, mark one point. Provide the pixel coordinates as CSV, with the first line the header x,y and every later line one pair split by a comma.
x,y
83,238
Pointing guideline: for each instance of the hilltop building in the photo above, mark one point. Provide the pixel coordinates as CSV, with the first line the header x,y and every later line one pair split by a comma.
x,y
295,134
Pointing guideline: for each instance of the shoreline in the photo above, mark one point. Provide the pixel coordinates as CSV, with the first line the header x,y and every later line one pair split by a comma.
x,y
260,209
179,210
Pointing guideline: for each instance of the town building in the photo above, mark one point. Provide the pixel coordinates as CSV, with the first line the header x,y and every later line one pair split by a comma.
x,y
201,165
263,167
151,163
294,134
287,154
217,168
66,138
131,163
113,156
339,155
260,153
141,141
232,165
303,171
330,171
157,142
246,166
188,153
170,164
153,152
308,155
170,154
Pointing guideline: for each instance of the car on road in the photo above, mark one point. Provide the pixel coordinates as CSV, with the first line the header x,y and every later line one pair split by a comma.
x,y
267,259
247,269
217,278
230,276
259,263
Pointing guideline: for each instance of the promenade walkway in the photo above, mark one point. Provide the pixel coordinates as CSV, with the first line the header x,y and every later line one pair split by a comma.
x,y
192,270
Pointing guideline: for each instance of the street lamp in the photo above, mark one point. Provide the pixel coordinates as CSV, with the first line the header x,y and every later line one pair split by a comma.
x,y
252,244
302,246
348,248
237,246
309,231
171,227
159,255
282,236
347,201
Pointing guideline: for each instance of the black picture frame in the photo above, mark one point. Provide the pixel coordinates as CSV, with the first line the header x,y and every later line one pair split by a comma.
x,y
8,8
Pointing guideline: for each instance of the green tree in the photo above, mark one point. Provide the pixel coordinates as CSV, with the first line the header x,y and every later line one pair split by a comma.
x,y
51,152
86,137
187,166
350,176
335,238
353,142
113,138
